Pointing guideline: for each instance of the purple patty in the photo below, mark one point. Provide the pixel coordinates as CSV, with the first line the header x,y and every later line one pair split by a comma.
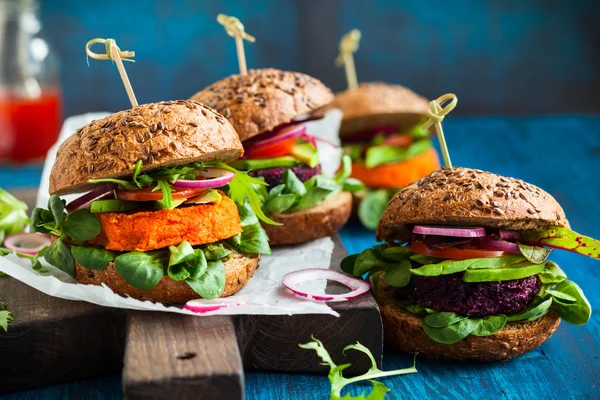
x,y
451,293
274,176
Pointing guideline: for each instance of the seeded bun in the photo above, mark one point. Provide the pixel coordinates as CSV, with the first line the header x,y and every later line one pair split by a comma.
x,y
379,104
404,331
160,134
461,196
239,269
264,99
312,223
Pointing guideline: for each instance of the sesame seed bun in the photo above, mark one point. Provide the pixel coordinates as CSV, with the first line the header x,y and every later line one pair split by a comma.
x,y
461,196
238,269
263,99
313,223
377,104
160,134
404,330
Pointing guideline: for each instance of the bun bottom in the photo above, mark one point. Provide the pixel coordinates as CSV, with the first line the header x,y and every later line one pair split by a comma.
x,y
404,331
313,223
238,271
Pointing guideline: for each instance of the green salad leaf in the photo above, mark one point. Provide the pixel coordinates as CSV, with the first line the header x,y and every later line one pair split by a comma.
x,y
92,257
60,256
576,312
385,154
536,310
13,215
211,283
535,254
6,316
372,206
337,379
81,225
142,270
253,238
563,238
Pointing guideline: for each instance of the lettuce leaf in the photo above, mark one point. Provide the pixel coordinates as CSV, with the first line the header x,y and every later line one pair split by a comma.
x,y
565,239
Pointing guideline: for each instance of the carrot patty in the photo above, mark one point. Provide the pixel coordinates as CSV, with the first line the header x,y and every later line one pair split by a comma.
x,y
151,230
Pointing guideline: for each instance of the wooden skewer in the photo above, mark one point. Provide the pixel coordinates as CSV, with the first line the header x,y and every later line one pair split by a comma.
x,y
235,29
348,46
437,112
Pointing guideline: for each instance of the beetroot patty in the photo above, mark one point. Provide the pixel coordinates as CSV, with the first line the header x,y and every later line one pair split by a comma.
x,y
274,176
451,293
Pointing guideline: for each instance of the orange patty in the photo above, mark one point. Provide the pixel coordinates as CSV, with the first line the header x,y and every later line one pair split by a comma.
x,y
151,230
397,175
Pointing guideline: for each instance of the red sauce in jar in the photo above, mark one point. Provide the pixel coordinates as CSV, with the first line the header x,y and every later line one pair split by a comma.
x,y
28,126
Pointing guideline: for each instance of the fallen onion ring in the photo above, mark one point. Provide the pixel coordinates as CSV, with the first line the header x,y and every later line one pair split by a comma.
x,y
202,306
293,279
88,197
449,231
27,243
213,178
493,244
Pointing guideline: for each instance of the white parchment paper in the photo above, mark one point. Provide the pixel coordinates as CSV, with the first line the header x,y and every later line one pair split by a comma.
x,y
264,293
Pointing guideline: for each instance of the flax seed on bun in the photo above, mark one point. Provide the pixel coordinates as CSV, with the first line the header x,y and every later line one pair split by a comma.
x,y
263,99
160,134
379,104
461,196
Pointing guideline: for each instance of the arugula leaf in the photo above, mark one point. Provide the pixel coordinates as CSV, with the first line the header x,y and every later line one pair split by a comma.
x,y
338,381
142,270
241,188
372,206
211,284
535,254
136,172
123,185
5,316
167,202
13,214
92,257
565,239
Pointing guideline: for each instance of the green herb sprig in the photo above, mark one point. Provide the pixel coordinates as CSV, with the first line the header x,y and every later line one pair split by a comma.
x,y
6,316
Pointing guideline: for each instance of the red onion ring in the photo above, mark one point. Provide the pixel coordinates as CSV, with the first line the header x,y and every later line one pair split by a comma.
x,y
449,231
88,197
293,279
493,244
285,133
202,306
214,178
369,134
27,243
509,235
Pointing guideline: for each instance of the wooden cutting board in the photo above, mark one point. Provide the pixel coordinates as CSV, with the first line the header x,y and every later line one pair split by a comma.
x,y
164,355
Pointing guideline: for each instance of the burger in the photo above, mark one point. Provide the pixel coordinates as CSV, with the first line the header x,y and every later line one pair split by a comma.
x,y
381,132
267,107
162,217
464,271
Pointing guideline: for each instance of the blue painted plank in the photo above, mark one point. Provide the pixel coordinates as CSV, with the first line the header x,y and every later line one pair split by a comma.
x,y
559,154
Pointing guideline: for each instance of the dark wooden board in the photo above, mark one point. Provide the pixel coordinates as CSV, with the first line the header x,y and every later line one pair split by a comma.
x,y
54,340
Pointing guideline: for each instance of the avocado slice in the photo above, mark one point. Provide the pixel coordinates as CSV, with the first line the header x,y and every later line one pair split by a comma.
x,y
306,153
210,196
115,205
502,274
262,163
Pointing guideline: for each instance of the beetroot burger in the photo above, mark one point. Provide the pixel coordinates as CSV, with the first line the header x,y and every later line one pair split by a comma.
x,y
266,107
464,271
156,221
381,131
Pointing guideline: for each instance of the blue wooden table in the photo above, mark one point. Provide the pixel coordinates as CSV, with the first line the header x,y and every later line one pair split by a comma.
x,y
560,154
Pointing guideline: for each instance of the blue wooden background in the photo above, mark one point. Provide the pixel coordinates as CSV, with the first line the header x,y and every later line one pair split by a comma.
x,y
559,154
499,56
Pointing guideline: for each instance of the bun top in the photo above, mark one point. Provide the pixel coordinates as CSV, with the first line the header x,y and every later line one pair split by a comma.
x,y
263,99
469,197
160,134
379,104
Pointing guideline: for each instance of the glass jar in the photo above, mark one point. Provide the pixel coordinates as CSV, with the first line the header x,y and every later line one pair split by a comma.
x,y
30,96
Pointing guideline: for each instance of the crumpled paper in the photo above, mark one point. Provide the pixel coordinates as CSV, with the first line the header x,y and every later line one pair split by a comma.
x,y
264,293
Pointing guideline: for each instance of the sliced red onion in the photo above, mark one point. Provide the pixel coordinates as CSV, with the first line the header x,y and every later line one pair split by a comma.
x,y
107,196
213,178
293,279
449,231
493,244
288,132
369,134
509,235
202,306
27,243
306,118
88,197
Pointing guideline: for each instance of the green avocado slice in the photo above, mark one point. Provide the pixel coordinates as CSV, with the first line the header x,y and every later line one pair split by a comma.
x,y
306,153
502,274
99,206
262,163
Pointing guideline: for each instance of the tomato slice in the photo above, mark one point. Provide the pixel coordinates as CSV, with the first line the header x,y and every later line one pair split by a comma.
x,y
454,253
398,140
146,194
281,148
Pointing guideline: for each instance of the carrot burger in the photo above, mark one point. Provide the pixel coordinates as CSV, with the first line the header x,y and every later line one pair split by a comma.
x,y
465,274
381,131
155,222
267,107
